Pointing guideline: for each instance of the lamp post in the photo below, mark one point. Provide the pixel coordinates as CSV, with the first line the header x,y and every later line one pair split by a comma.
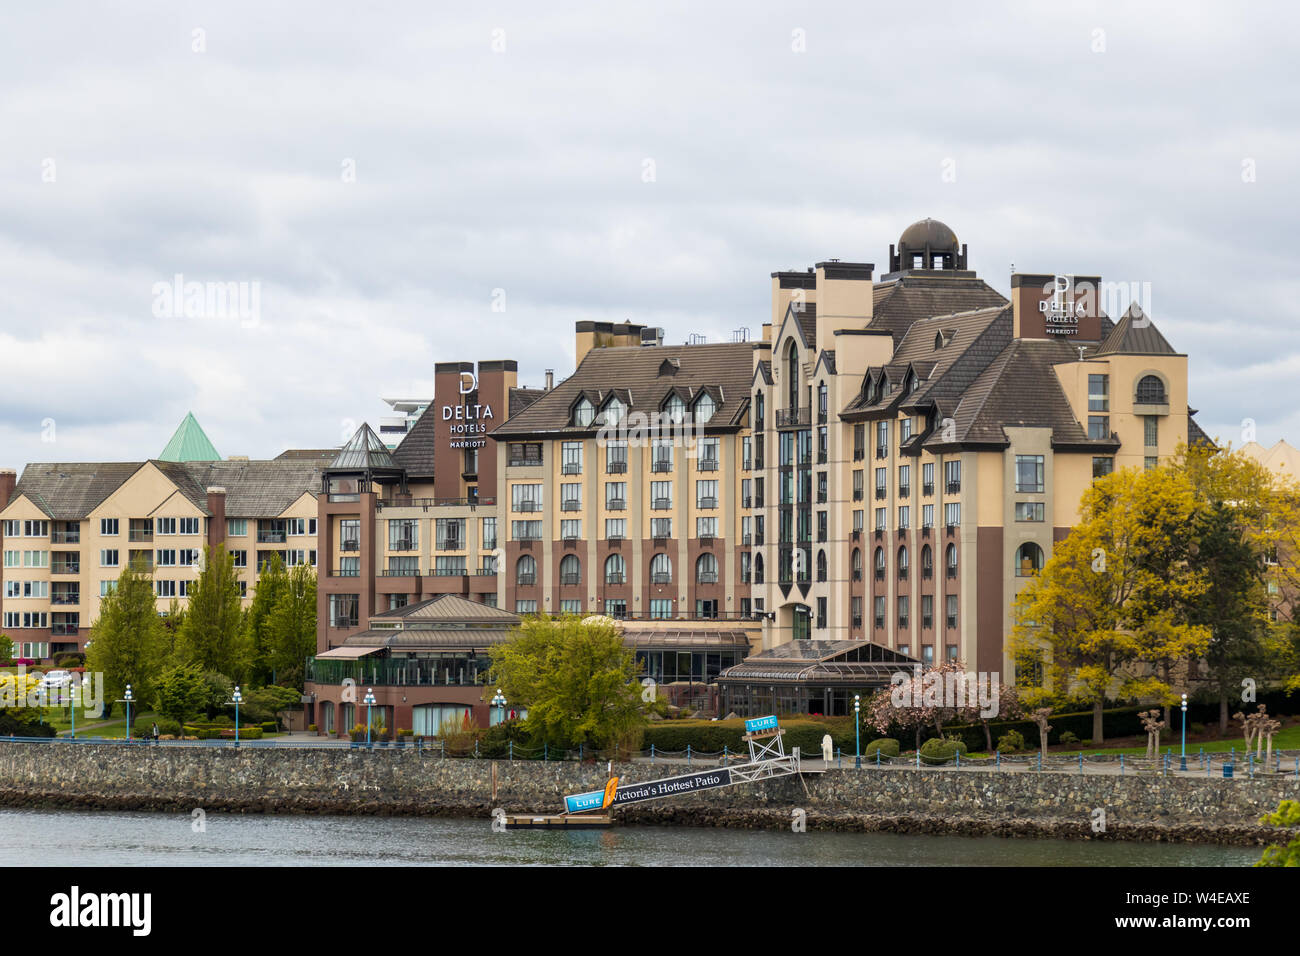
x,y
236,698
1182,762
126,699
857,732
500,701
72,701
369,701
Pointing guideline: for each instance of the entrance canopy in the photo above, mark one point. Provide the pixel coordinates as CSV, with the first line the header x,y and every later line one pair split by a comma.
x,y
347,653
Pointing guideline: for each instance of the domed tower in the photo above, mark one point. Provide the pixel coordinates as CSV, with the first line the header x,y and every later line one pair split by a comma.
x,y
928,244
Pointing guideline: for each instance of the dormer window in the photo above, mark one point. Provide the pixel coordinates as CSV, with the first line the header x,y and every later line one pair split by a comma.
x,y
614,411
705,408
914,383
675,409
583,413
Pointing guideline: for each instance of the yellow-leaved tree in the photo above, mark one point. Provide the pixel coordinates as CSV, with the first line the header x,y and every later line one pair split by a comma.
x,y
1108,608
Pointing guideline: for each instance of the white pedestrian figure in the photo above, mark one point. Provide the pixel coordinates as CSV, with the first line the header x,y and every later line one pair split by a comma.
x,y
828,749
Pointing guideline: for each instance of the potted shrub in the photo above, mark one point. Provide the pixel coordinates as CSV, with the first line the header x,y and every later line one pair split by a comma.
x,y
358,734
403,735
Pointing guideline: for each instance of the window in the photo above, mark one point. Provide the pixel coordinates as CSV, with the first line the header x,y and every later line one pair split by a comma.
x,y
1150,431
674,409
615,569
661,527
927,516
1151,391
706,569
882,439
706,527
880,519
904,517
165,589
662,455
614,410
525,454
240,558
880,564
615,528
706,454
661,608
41,559
1150,462
1098,426
927,610
570,570
184,588
348,567
661,569
927,478
880,483
236,527
164,526
904,605
1029,511
571,496
526,571
821,565
1098,393
952,514
905,425
526,530
403,534
583,412
821,487
108,527
189,525
616,609
705,408
188,557
12,529
661,495
1029,473
108,558
311,527
879,606
349,535
449,534
859,517
952,476
106,588
570,606
165,558
616,495
526,607
951,605
571,529
489,534
571,458
706,494
951,560
857,484
927,653
904,480
36,529
526,497
1029,560
297,526
616,458
1101,467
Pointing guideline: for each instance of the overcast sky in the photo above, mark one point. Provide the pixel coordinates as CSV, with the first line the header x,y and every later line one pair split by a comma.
x,y
378,172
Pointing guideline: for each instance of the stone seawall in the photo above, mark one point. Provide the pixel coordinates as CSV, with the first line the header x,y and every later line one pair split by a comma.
x,y
405,782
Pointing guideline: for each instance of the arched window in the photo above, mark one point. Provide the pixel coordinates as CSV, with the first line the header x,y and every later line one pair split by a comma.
x,y
661,569
857,564
1029,560
792,375
704,408
583,412
758,569
675,409
880,564
615,570
902,561
1151,391
614,411
570,569
706,569
821,565
938,341
951,555
927,562
526,571
823,402
758,410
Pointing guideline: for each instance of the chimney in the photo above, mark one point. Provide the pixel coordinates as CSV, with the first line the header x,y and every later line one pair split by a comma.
x,y
8,478
1064,307
550,379
217,523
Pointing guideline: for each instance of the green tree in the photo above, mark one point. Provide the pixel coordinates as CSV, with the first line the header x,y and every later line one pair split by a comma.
x,y
577,680
211,634
1288,815
292,627
182,692
1107,610
272,582
127,643
6,648
266,703
220,688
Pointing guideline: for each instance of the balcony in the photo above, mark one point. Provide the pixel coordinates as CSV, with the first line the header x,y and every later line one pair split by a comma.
x,y
661,504
952,530
952,571
927,621
528,505
859,453
952,620
661,577
65,537
662,466
615,578
528,536
450,544
66,598
758,501
758,538
139,534
857,621
904,491
571,504
927,489
745,577
403,544
707,577
616,504
953,487
902,574
927,573
400,572
857,574
489,544
880,621
525,462
880,574
486,572
65,567
278,537
902,621
855,534
821,457
526,580
63,630
790,417
571,468
925,531
882,451
346,573
706,502
618,467
747,465
881,494
880,534
348,544
707,464
570,579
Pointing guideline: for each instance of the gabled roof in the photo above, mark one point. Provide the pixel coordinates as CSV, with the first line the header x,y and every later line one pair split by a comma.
x,y
634,371
450,609
899,303
70,491
415,451
364,450
1135,334
189,443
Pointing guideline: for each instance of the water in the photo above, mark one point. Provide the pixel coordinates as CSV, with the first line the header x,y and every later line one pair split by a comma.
x,y
76,838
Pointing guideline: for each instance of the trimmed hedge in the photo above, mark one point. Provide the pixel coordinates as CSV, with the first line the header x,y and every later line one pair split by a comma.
x,y
941,750
270,727
887,746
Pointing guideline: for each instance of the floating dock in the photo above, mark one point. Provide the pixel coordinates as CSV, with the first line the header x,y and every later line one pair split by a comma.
x,y
559,821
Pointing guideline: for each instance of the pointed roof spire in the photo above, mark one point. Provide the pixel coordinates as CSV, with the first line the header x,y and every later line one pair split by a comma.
x,y
189,443
1136,334
363,450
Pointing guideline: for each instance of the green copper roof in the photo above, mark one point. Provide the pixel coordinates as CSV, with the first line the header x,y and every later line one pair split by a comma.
x,y
189,443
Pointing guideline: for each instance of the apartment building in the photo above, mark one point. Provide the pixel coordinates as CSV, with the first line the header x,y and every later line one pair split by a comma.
x,y
933,440
68,529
